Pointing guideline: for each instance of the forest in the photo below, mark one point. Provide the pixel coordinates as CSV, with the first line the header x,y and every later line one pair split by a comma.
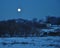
x,y
29,28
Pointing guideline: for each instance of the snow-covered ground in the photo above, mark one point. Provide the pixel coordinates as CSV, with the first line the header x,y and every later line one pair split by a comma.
x,y
30,42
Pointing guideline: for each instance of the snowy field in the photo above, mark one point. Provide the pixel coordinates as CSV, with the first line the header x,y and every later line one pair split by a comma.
x,y
30,42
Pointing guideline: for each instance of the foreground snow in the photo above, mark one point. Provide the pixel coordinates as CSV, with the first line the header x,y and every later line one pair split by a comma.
x,y
30,42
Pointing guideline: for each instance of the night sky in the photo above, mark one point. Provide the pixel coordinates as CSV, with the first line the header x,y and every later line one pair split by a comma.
x,y
29,9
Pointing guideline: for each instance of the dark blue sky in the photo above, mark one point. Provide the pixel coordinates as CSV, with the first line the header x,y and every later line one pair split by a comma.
x,y
30,9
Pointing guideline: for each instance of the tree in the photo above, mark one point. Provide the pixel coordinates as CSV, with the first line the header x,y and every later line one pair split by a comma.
x,y
51,20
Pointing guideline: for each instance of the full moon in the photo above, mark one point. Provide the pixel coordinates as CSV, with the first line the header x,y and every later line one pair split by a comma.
x,y
19,10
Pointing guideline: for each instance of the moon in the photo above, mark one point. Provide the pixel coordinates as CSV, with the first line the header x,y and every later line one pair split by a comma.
x,y
19,10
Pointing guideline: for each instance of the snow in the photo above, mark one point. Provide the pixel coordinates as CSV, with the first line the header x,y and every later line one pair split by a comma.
x,y
30,42
47,30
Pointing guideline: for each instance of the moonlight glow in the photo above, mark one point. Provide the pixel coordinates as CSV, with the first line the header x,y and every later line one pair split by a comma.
x,y
19,10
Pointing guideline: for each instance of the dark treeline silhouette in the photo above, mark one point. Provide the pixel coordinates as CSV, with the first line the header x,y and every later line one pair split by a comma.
x,y
53,20
27,28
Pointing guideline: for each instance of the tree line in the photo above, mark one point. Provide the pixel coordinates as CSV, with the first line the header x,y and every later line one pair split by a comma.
x,y
25,28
